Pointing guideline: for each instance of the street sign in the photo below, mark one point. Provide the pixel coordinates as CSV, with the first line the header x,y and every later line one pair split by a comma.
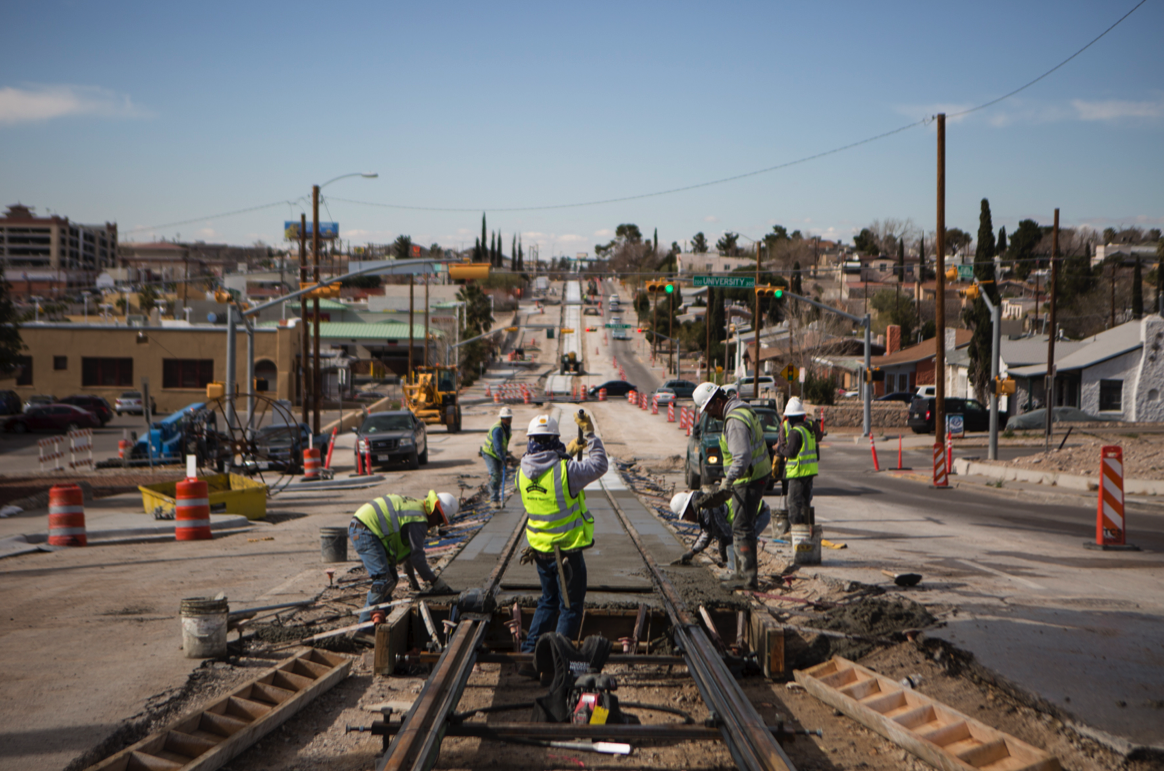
x,y
618,326
965,272
803,374
955,425
726,282
788,373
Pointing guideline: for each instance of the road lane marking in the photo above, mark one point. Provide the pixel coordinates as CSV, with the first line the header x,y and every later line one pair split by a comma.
x,y
1016,579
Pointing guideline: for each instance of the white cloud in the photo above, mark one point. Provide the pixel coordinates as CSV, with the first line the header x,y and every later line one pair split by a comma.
x,y
711,218
1112,109
207,234
41,103
604,233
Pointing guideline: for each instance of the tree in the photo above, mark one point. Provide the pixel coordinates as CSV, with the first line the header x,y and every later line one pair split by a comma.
x,y
699,244
435,251
895,308
796,287
402,247
513,252
483,239
1020,253
1109,235
958,239
901,261
1137,290
727,244
147,298
628,232
778,232
656,241
11,344
976,316
866,242
1000,246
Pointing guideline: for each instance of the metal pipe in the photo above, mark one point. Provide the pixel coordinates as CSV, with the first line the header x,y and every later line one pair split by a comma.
x,y
867,419
995,345
316,380
304,367
940,292
250,377
231,367
1053,295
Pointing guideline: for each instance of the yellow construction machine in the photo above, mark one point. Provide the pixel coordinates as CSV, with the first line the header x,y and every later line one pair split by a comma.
x,y
432,396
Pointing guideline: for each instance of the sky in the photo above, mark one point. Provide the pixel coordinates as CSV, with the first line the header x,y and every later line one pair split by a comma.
x,y
151,114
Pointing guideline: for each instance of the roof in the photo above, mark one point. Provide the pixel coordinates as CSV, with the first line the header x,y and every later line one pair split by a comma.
x,y
926,349
1091,351
354,330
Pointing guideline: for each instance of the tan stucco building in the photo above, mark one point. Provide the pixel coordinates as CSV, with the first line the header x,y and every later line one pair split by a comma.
x,y
179,360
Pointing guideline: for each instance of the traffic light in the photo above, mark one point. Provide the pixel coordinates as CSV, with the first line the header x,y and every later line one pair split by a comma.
x,y
465,271
669,287
874,375
769,291
661,286
971,292
221,296
323,293
1004,386
951,274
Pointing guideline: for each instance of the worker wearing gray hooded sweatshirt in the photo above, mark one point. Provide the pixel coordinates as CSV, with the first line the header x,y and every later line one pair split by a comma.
x,y
551,483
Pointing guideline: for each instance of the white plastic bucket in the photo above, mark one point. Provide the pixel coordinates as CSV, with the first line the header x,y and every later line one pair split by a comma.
x,y
204,627
806,544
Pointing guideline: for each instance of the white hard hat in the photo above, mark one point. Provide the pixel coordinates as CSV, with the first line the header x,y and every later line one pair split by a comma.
x,y
441,507
542,425
505,413
704,393
449,505
794,407
679,506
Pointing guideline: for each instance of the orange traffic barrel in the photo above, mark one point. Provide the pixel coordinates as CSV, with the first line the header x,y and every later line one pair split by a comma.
x,y
192,513
67,516
311,463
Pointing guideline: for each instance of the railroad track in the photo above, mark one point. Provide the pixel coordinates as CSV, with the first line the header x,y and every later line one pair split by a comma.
x,y
752,743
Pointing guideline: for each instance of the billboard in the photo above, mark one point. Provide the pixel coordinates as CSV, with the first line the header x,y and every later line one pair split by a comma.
x,y
327,230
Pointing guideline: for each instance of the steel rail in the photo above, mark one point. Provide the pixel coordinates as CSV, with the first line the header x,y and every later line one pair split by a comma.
x,y
418,743
748,738
561,731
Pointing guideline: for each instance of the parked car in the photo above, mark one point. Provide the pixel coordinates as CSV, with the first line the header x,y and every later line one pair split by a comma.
x,y
391,436
371,396
905,397
38,400
130,403
664,396
283,445
10,403
591,310
704,461
744,386
95,404
613,388
928,390
52,417
976,417
1036,419
683,388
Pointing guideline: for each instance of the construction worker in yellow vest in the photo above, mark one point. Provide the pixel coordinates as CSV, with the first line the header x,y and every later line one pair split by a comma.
x,y
551,483
495,451
391,529
746,469
798,444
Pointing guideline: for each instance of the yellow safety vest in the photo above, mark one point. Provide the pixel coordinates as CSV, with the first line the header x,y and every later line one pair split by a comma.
x,y
386,515
554,517
805,464
487,448
761,465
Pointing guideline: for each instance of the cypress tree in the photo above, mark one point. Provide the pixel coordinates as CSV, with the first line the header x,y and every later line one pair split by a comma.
x,y
900,260
483,238
520,257
796,287
11,346
976,316
656,249
1000,248
1137,291
513,252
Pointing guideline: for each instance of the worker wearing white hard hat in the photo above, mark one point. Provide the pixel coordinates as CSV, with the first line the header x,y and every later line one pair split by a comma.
x,y
747,467
715,523
392,529
551,484
495,452
798,445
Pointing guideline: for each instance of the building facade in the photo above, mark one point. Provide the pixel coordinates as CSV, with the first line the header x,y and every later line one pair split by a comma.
x,y
52,256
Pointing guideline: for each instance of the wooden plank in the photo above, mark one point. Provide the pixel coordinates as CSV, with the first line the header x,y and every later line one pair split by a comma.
x,y
767,640
395,641
219,732
934,732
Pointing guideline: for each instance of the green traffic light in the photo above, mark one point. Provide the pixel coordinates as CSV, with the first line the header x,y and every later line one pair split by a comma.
x,y
779,293
670,288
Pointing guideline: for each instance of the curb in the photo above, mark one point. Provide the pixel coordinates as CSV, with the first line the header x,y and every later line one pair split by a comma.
x,y
1053,479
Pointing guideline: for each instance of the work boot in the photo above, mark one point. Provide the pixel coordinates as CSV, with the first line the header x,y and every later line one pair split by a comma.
x,y
746,576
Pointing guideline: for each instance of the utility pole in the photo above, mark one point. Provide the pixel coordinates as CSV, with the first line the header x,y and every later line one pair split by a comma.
x,y
671,327
1053,295
316,380
995,346
305,365
411,297
425,321
707,329
939,294
756,328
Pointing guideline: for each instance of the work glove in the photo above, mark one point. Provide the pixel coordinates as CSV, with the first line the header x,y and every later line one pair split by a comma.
x,y
584,422
718,498
685,559
440,586
527,556
575,447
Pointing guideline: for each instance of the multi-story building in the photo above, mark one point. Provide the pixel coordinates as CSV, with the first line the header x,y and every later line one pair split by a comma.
x,y
51,256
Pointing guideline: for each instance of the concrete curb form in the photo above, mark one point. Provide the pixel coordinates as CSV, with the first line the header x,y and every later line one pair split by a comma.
x,y
1053,479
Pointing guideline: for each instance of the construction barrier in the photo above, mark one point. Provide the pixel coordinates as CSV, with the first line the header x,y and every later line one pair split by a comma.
x,y
67,516
873,449
51,451
632,397
643,402
192,511
940,477
331,447
1109,515
124,445
899,466
81,444
311,463
654,405
949,452
601,394
487,391
671,412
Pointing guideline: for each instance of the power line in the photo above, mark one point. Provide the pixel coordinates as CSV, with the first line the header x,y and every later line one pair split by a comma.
x,y
214,216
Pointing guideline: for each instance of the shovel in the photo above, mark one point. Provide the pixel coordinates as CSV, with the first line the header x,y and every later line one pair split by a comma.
x,y
904,579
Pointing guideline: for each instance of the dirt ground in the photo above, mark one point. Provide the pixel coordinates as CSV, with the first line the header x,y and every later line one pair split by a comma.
x,y
1143,455
19,488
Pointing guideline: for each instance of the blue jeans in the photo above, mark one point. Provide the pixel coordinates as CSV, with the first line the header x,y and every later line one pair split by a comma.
x,y
551,614
380,566
495,468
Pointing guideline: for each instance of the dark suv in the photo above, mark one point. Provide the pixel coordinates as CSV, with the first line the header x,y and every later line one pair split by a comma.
x,y
704,461
11,403
394,435
95,404
683,388
975,415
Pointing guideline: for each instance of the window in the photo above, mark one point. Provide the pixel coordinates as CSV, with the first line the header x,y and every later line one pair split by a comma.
x,y
106,372
187,373
60,362
25,376
1111,395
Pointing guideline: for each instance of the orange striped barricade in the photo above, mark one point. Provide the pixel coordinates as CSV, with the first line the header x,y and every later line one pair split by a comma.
x,y
654,405
941,480
642,401
311,463
632,397
601,394
1110,524
671,412
192,512
81,444
51,451
123,445
66,517
873,449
